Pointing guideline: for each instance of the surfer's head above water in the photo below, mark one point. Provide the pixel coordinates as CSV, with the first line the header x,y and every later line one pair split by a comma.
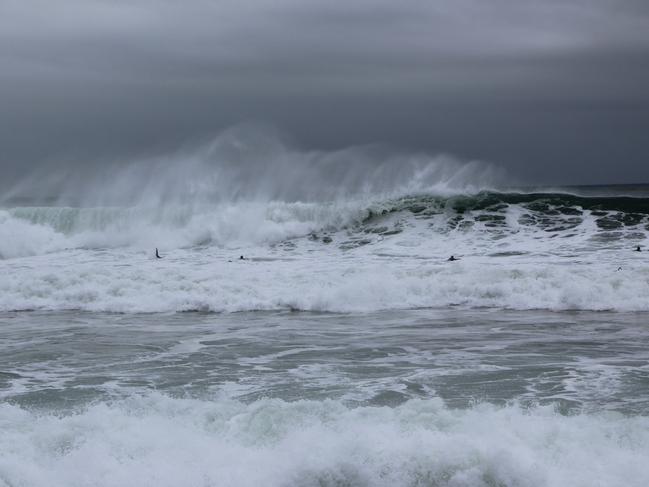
x,y
452,258
637,249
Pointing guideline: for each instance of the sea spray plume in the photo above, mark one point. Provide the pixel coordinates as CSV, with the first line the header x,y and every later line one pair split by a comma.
x,y
250,164
257,165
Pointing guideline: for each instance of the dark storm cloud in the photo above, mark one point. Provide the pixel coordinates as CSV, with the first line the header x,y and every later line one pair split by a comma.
x,y
554,90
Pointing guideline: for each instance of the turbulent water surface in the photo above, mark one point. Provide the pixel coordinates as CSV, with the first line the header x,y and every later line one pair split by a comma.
x,y
421,397
342,349
517,251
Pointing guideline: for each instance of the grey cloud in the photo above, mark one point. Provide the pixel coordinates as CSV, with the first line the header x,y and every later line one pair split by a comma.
x,y
161,35
547,89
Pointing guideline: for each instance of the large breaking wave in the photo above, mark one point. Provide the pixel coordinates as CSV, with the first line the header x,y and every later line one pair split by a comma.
x,y
484,215
355,230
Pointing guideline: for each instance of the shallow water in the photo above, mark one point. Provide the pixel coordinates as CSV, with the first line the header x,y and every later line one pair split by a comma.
x,y
583,361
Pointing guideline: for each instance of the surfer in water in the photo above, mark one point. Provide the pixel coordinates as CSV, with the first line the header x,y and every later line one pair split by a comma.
x,y
157,254
637,249
452,258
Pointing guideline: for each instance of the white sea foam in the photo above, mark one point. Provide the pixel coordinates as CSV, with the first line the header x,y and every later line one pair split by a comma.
x,y
157,440
19,238
355,280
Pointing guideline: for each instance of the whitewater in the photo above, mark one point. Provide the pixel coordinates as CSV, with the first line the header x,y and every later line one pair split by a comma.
x,y
304,325
517,251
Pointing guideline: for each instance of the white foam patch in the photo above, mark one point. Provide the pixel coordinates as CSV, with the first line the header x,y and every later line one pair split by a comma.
x,y
20,238
156,440
332,280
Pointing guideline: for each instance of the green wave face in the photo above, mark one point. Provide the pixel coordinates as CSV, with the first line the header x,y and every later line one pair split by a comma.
x,y
487,215
554,211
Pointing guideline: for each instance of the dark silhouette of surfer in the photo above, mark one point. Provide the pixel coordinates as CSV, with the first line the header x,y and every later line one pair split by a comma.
x,y
637,249
452,258
157,254
242,257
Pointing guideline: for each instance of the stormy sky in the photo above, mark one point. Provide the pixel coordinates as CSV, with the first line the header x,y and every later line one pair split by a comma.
x,y
555,91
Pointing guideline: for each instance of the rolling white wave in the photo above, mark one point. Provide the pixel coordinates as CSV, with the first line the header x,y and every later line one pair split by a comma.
x,y
157,440
338,280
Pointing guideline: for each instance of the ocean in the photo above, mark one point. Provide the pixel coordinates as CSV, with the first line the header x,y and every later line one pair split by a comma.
x,y
343,349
